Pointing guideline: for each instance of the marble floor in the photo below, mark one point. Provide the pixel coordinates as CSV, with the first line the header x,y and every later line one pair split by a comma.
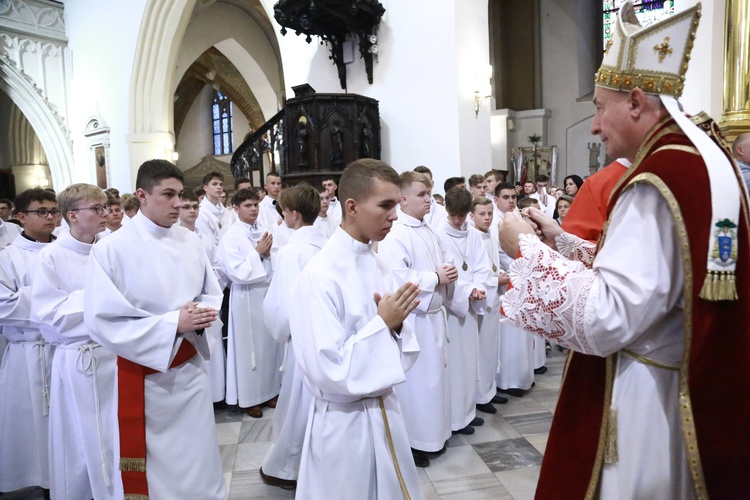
x,y
501,460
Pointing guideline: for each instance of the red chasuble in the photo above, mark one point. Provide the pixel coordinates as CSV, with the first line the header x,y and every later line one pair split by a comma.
x,y
588,212
714,387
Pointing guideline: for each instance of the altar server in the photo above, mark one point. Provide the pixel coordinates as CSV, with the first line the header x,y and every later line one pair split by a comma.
x,y
281,463
353,346
24,373
84,452
253,357
150,292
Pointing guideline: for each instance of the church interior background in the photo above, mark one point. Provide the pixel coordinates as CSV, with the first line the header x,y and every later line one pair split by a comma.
x,y
89,89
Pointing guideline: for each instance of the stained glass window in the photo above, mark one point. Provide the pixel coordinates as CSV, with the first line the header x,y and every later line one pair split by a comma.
x,y
647,12
222,124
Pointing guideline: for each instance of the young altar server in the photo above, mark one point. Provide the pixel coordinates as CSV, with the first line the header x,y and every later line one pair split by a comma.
x,y
268,215
464,303
149,295
515,373
494,280
352,346
217,363
24,373
327,223
214,218
416,254
300,208
84,454
253,356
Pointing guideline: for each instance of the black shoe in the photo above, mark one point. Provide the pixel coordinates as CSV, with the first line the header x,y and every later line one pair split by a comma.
x,y
285,484
433,454
466,430
477,422
220,405
513,392
541,370
420,459
487,408
499,400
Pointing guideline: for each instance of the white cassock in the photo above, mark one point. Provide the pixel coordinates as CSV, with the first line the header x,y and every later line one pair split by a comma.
x,y
489,322
8,232
436,214
281,236
414,252
335,212
633,298
214,219
83,429
253,356
547,203
356,440
24,374
268,215
540,352
465,249
217,364
290,416
515,345
137,281
326,224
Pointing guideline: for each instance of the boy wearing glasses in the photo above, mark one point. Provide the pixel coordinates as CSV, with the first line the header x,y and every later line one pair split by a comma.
x,y
82,411
24,374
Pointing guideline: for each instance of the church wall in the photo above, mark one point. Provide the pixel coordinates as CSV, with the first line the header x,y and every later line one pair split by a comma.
x,y
102,41
241,40
560,88
572,113
426,107
196,139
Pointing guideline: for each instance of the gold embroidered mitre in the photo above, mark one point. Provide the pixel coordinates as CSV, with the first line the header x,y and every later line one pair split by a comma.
x,y
654,58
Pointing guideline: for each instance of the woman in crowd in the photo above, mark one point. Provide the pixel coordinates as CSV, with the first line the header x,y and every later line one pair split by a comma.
x,y
571,184
562,206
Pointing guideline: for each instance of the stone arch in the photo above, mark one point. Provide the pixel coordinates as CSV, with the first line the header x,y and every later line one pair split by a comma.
x,y
153,82
47,123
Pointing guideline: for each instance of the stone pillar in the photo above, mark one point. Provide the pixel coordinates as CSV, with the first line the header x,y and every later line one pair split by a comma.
x,y
735,117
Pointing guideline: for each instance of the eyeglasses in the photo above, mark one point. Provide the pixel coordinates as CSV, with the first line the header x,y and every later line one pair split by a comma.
x,y
99,209
43,212
190,207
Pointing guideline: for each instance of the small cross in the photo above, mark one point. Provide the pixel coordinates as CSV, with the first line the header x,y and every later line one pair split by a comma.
x,y
663,48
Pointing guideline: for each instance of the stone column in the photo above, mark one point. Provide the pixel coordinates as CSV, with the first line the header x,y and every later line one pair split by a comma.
x,y
735,117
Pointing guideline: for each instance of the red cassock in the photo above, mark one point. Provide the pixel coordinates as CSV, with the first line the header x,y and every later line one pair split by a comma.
x,y
714,387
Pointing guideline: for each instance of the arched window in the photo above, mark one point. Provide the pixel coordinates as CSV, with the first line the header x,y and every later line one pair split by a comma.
x,y
647,12
222,120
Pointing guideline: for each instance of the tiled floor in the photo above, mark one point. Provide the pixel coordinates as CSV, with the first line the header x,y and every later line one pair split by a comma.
x,y
500,460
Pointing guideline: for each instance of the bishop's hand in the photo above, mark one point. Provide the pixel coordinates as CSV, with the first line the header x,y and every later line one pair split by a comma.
x,y
545,227
509,228
395,307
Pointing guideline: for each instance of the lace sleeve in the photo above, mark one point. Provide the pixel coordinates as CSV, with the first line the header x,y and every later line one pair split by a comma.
x,y
576,248
550,295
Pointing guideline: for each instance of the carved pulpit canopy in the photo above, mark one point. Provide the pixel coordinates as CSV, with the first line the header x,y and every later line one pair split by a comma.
x,y
333,21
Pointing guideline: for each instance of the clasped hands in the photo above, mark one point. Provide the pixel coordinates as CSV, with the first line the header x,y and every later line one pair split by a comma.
x,y
530,221
395,307
194,318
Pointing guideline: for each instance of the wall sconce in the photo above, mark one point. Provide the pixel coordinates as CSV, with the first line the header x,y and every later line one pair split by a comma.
x,y
483,88
169,152
41,180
